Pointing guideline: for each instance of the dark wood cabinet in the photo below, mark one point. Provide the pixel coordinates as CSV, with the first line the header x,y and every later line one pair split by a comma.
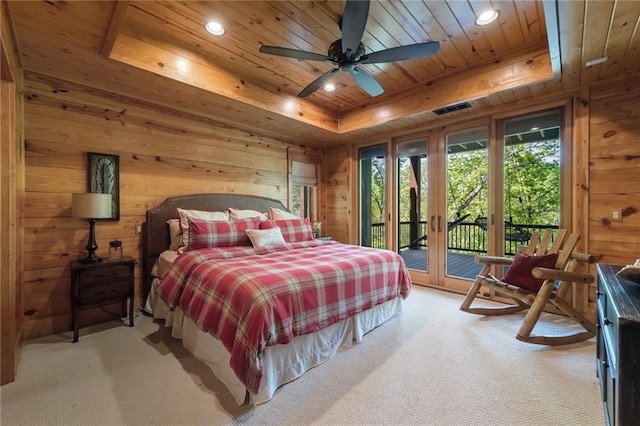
x,y
618,348
101,283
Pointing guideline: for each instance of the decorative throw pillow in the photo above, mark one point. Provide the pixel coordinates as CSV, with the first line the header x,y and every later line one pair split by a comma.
x,y
276,214
236,214
208,233
265,237
175,234
196,214
519,273
293,230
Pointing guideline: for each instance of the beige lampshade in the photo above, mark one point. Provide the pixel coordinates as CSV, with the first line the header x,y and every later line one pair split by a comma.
x,y
91,206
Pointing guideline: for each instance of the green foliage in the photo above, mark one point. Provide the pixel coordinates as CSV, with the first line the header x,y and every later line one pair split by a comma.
x,y
467,184
404,188
531,187
377,190
531,184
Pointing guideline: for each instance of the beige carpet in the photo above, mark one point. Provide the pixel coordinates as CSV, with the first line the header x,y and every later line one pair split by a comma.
x,y
432,365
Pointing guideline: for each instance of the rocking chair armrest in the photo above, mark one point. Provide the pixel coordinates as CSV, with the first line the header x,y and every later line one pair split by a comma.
x,y
583,257
493,260
556,274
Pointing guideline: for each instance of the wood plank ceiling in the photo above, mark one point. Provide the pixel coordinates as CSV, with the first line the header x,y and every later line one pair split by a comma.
x,y
159,52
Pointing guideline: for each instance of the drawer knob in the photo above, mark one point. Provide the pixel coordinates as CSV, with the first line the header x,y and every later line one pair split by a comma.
x,y
605,365
108,291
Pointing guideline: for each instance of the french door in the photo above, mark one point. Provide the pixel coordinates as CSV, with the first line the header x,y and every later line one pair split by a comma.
x,y
439,178
498,187
457,192
414,198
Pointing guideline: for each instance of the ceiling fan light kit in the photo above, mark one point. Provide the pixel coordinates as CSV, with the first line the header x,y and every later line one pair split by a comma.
x,y
349,52
329,87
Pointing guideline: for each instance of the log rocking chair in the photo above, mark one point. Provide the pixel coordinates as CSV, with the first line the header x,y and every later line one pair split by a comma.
x,y
538,279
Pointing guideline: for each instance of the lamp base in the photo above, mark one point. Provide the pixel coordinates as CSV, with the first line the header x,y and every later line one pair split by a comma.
x,y
90,259
91,245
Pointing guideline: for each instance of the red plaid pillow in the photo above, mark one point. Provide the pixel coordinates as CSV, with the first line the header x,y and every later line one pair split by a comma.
x,y
293,230
208,233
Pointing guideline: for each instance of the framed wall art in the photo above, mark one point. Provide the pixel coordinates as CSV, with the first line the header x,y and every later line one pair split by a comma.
x,y
103,177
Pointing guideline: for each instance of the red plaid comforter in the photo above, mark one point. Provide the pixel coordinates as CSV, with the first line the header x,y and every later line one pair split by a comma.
x,y
250,298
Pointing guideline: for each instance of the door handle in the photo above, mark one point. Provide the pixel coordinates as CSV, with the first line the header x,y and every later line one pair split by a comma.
x,y
433,229
439,223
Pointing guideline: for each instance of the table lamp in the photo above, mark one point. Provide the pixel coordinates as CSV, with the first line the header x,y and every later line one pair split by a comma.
x,y
91,206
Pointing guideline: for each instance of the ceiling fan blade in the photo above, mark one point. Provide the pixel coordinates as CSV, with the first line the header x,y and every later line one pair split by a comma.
x,y
292,53
317,83
366,81
401,53
354,20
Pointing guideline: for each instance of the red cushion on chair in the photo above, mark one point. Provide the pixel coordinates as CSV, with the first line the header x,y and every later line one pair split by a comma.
x,y
519,273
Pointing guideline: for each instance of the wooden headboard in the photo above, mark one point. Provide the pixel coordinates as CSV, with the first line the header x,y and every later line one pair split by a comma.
x,y
156,230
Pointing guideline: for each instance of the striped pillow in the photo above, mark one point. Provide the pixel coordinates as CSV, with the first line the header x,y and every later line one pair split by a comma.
x,y
208,233
293,230
185,215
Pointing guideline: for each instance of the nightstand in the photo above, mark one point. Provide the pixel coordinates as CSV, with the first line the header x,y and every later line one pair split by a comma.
x,y
101,283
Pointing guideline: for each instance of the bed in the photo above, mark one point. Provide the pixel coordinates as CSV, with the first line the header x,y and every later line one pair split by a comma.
x,y
272,343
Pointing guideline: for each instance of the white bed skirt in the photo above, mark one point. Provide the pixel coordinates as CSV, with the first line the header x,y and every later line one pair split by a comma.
x,y
282,363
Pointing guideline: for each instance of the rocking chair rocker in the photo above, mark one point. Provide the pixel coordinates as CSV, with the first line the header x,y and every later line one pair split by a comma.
x,y
531,283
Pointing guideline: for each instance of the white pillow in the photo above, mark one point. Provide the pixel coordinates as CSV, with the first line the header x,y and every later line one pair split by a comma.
x,y
277,214
236,214
265,237
196,214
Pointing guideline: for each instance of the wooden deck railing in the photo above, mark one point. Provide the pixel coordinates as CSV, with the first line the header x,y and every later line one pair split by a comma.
x,y
466,237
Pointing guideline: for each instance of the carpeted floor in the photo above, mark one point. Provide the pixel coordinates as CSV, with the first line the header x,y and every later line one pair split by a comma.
x,y
432,365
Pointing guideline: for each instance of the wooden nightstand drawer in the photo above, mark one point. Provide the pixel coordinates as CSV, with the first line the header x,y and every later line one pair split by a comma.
x,y
103,275
104,292
101,283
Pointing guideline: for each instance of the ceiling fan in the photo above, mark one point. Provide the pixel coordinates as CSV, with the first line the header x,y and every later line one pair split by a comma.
x,y
348,52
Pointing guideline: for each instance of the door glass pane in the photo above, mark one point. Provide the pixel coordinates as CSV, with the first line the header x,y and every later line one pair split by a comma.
x,y
467,201
412,203
372,196
531,176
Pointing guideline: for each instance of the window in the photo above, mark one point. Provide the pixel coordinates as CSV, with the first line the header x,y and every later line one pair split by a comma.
x,y
304,189
372,195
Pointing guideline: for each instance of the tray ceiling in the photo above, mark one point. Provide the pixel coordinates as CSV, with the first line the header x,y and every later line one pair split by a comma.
x,y
148,45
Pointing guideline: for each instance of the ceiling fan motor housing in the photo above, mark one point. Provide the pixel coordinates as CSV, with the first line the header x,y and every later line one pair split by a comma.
x,y
354,20
336,55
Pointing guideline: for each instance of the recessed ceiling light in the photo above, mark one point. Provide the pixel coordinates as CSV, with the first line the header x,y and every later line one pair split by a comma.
x,y
183,65
214,28
329,87
487,17
289,105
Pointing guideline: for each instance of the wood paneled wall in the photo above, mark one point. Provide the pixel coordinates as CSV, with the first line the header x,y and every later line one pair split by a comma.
x,y
614,171
11,199
611,138
339,220
162,154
